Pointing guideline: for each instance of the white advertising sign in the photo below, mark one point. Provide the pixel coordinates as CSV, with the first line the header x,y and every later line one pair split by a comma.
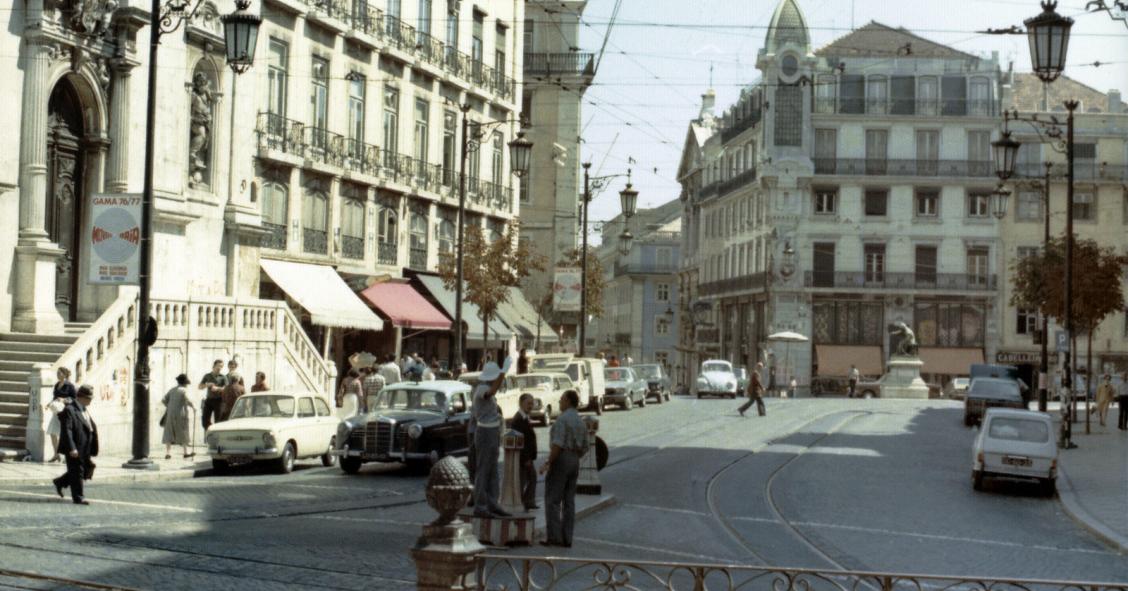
x,y
115,238
566,289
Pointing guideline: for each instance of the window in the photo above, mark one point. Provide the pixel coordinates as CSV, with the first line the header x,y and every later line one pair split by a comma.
x,y
877,94
499,51
927,151
826,150
387,224
1028,251
305,408
824,94
979,99
422,119
978,204
452,32
476,48
392,22
925,271
928,95
848,322
877,150
497,162
927,203
473,163
424,26
953,90
826,199
661,326
903,91
446,235
277,64
979,153
528,43
664,255
1028,161
391,125
356,110
662,292
949,324
526,188
876,202
1084,206
852,97
1029,206
315,221
977,258
789,116
875,263
352,228
322,408
275,206
319,101
418,243
1026,321
823,264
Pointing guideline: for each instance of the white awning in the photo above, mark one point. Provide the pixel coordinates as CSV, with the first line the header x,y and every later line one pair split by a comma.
x,y
322,292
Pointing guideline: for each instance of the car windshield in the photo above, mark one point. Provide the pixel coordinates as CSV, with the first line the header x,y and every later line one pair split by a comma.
x,y
993,388
1012,429
617,374
648,371
428,400
529,381
716,367
573,372
263,406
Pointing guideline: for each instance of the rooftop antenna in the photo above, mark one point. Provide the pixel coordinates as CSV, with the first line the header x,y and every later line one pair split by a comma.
x,y
710,74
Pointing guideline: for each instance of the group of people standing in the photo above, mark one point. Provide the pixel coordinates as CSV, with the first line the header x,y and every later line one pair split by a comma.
x,y
568,439
73,434
221,392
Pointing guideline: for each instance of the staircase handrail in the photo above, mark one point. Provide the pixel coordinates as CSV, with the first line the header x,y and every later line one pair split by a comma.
x,y
114,329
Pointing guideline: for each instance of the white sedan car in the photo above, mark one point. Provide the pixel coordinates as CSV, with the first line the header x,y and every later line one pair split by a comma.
x,y
277,427
546,388
1015,443
716,379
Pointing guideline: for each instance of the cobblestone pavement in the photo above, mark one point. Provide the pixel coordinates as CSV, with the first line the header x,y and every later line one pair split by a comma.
x,y
826,483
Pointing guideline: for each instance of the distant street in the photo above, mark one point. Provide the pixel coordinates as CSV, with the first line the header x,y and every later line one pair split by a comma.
x,y
873,485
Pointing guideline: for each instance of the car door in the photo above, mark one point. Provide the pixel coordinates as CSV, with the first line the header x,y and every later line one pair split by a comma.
x,y
306,427
326,422
456,438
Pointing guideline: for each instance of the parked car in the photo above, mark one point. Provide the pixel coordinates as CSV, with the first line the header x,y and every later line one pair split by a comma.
x,y
586,374
716,379
867,386
506,399
416,423
984,393
546,389
624,388
277,427
657,382
956,389
1015,444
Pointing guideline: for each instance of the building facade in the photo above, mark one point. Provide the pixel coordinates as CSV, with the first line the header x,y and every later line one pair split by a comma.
x,y
337,152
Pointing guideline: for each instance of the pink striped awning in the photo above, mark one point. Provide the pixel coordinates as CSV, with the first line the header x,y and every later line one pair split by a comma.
x,y
405,307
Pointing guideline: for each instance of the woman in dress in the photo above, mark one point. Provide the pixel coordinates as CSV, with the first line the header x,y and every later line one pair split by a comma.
x,y
176,424
63,395
351,391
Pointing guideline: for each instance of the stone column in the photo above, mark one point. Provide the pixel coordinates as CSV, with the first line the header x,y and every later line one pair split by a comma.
x,y
33,303
117,173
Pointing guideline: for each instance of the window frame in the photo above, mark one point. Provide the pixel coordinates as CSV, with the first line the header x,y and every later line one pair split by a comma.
x,y
978,204
825,200
884,202
922,195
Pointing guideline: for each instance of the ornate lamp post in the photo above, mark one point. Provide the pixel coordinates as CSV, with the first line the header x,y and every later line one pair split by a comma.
x,y
520,151
999,199
240,34
628,198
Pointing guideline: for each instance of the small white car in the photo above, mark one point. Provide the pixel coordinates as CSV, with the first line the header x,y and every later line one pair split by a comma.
x,y
1015,443
716,379
546,388
279,427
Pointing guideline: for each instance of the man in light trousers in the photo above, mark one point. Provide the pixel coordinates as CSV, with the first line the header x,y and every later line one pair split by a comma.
x,y
487,441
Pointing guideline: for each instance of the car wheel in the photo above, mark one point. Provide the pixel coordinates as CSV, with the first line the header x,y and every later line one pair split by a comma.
x,y
699,396
220,466
285,464
351,465
867,394
967,420
667,395
328,459
642,402
628,403
977,480
1048,486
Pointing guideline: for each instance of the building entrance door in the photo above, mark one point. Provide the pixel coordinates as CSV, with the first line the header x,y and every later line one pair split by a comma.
x,y
65,168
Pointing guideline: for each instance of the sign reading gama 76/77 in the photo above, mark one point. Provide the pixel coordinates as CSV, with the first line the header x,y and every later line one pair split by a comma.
x,y
115,238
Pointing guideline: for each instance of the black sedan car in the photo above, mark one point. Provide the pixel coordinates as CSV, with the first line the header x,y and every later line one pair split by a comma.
x,y
984,393
657,382
409,422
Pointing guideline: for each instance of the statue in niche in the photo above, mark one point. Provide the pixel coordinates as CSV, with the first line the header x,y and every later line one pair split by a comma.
x,y
199,147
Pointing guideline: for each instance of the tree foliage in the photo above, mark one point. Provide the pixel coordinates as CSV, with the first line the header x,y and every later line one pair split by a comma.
x,y
489,269
1039,282
595,281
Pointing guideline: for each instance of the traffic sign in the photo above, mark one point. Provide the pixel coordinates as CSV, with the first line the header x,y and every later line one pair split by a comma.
x,y
1061,340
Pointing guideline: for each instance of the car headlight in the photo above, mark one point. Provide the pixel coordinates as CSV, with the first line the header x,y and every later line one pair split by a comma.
x,y
212,439
414,431
268,440
702,381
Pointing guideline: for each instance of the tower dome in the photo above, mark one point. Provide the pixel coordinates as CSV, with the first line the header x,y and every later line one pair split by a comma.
x,y
787,27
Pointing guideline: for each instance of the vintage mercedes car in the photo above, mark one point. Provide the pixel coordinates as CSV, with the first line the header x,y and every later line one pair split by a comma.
x,y
716,379
657,382
408,422
623,388
545,387
274,426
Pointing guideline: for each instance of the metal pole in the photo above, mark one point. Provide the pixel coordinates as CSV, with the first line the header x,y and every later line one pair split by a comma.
x,y
140,444
583,260
456,345
1070,105
1043,381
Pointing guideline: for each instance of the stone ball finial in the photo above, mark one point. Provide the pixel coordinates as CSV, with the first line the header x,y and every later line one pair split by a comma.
x,y
448,488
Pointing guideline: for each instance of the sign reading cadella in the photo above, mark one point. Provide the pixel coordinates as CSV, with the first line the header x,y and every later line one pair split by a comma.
x,y
115,238
566,289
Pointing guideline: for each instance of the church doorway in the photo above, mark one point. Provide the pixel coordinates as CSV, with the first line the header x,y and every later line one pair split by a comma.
x,y
65,192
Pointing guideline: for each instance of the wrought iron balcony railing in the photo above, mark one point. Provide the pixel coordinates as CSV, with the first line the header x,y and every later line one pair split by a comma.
x,y
275,237
387,253
549,64
739,126
732,284
1083,170
900,281
352,247
418,259
652,268
907,106
899,167
315,241
731,184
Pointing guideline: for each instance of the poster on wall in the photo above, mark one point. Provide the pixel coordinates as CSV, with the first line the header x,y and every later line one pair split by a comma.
x,y
566,288
115,238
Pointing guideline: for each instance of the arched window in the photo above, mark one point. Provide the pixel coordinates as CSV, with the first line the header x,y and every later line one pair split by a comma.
x,y
387,235
352,228
275,211
201,128
315,222
446,236
418,229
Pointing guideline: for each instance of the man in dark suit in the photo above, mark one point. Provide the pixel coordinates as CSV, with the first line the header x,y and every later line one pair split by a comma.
x,y
521,424
78,442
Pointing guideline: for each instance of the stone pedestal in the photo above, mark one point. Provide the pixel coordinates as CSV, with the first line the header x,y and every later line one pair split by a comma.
x,y
512,442
903,379
447,553
517,530
588,483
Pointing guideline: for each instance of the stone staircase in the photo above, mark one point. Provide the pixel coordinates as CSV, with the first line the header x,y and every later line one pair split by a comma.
x,y
18,353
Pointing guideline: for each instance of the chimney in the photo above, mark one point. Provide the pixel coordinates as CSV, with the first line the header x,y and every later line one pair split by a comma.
x,y
1114,103
708,101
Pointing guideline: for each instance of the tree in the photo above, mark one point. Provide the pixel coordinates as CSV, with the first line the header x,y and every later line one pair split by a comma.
x,y
489,269
595,281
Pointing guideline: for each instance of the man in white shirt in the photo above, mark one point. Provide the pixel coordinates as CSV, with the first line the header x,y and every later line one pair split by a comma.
x,y
390,370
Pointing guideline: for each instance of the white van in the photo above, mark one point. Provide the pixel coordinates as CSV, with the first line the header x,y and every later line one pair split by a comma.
x,y
586,374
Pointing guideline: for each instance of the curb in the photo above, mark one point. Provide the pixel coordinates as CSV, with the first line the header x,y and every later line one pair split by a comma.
x,y
1073,508
583,510
116,477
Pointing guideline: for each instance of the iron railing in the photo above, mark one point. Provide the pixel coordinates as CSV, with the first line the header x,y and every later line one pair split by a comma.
x,y
731,284
548,64
907,106
900,281
710,190
645,268
387,253
338,9
1083,170
495,572
352,247
315,241
740,125
418,258
731,184
902,167
275,237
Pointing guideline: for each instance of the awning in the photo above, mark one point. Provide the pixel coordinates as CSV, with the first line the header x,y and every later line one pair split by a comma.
x,y
322,292
520,315
835,360
470,313
951,362
404,307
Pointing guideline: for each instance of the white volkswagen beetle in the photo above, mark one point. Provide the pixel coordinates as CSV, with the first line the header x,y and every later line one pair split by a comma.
x,y
1014,443
274,426
716,379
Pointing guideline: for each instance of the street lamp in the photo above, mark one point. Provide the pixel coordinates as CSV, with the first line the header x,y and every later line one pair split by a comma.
x,y
1048,36
626,240
999,200
1006,153
241,32
520,151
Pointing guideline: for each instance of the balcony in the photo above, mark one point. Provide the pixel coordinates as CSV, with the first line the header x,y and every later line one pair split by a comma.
x,y
645,269
1083,170
736,182
708,335
754,281
559,64
315,241
710,190
908,107
418,259
900,281
898,167
275,237
387,253
352,247
740,126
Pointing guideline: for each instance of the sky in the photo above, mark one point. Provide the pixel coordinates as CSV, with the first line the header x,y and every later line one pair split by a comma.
x,y
657,64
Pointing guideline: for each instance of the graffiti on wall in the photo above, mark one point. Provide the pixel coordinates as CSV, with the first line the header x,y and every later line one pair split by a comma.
x,y
117,387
